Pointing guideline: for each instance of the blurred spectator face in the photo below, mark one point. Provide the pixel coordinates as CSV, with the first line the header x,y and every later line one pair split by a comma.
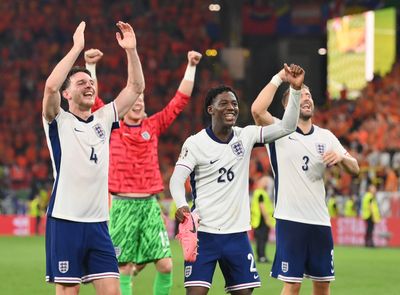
x,y
80,90
137,112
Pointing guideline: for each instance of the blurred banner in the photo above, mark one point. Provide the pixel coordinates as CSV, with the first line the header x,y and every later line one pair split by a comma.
x,y
20,225
346,230
350,231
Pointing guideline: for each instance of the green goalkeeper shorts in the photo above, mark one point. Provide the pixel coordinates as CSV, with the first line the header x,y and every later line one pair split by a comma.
x,y
138,231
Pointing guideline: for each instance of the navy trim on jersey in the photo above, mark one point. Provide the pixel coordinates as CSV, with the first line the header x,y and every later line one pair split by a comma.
x,y
115,113
213,137
133,126
88,120
115,125
258,145
194,192
56,148
298,130
274,163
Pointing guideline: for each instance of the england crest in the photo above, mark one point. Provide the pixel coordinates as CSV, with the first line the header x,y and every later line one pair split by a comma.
x,y
63,266
321,148
118,251
145,135
285,266
238,148
188,271
98,129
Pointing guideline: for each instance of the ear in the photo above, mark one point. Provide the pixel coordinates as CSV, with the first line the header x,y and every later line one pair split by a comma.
x,y
210,110
66,95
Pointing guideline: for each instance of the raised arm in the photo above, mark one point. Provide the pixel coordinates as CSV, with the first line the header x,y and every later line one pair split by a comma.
x,y
135,82
186,86
295,76
92,56
51,96
259,108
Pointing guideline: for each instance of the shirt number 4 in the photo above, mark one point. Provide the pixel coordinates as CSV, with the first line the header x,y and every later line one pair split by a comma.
x,y
93,156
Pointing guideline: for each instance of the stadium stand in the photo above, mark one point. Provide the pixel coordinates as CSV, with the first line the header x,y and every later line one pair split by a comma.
x,y
33,39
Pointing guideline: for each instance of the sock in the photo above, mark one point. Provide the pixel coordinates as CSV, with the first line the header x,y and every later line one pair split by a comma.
x,y
162,283
125,283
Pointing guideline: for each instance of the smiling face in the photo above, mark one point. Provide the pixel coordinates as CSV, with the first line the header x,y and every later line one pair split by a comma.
x,y
224,110
306,104
137,111
80,91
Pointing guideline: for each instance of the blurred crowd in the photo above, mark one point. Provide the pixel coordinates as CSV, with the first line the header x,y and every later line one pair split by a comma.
x,y
36,34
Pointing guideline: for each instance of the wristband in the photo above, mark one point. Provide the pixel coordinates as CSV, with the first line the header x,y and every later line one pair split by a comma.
x,y
276,80
190,73
92,69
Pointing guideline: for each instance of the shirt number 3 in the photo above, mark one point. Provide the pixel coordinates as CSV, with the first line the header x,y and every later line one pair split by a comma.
x,y
305,165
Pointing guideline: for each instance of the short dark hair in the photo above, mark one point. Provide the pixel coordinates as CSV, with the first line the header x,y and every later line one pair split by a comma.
x,y
214,92
285,95
72,72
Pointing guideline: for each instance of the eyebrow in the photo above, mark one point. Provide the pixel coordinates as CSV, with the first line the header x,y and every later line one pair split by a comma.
x,y
83,80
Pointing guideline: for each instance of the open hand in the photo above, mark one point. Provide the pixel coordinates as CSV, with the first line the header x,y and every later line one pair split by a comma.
x,y
79,36
126,39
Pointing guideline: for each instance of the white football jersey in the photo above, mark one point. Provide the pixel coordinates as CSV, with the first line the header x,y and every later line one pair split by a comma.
x,y
79,152
296,161
220,178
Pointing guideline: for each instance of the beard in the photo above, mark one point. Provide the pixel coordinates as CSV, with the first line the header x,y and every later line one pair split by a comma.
x,y
306,115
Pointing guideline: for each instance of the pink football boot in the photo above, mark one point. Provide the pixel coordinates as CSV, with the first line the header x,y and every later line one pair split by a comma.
x,y
188,236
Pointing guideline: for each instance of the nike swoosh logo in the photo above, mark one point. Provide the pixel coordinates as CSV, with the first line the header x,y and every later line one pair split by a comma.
x,y
292,138
332,271
77,130
256,276
194,226
212,162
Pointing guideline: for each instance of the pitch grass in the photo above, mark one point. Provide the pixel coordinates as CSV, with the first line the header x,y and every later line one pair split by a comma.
x,y
359,271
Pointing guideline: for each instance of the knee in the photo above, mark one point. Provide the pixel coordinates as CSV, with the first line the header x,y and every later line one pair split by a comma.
x,y
126,268
164,265
292,288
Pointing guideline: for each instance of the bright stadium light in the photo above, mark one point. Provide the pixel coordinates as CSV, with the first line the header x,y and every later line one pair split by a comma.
x,y
214,7
211,52
322,51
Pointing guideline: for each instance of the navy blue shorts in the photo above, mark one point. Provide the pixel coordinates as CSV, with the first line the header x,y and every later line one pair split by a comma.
x,y
303,250
233,253
78,252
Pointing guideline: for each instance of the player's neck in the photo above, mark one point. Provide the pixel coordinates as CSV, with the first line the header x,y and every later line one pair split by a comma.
x,y
305,125
130,121
80,112
222,133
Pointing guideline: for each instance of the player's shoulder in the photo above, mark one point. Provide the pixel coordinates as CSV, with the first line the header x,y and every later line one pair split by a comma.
x,y
322,131
249,131
197,138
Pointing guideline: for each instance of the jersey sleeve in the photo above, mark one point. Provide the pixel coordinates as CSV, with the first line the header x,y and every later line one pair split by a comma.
x,y
255,134
168,114
336,145
187,157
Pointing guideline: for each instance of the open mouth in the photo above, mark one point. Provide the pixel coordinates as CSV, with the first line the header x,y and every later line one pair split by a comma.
x,y
88,94
230,116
